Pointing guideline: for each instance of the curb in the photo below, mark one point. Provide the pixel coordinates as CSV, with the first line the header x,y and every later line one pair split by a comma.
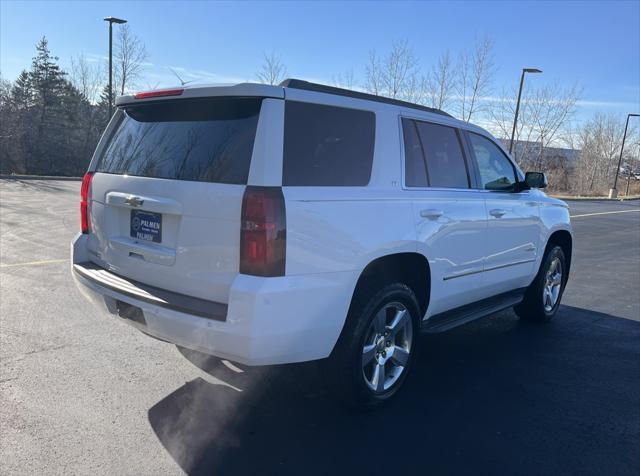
x,y
38,177
596,199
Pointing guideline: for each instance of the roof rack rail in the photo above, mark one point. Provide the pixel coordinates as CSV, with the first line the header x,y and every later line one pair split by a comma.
x,y
323,88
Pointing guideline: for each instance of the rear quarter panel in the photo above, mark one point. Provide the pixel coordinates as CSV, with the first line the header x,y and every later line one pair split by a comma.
x,y
333,229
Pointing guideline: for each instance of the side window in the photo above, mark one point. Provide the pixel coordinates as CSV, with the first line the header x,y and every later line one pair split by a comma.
x,y
446,166
496,171
327,145
415,168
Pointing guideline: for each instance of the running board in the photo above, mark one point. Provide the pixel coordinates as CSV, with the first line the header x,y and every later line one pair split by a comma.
x,y
470,312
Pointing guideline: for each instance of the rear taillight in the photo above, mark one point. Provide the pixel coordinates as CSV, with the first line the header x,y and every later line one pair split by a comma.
x,y
85,196
263,232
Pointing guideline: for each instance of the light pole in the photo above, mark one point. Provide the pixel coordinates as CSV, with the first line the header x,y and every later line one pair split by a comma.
x,y
111,21
515,119
613,193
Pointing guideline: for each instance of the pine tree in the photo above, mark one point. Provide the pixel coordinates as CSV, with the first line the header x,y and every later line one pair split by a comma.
x,y
10,128
103,107
49,87
15,126
21,93
46,125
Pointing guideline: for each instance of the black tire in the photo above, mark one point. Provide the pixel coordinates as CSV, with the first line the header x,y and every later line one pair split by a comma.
x,y
533,306
344,368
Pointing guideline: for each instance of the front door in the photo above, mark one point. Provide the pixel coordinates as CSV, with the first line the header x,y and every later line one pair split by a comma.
x,y
513,220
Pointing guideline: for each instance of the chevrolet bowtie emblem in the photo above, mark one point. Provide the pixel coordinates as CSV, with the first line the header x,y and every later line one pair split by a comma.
x,y
134,201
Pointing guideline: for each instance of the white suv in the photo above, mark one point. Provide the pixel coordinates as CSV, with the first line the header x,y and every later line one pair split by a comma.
x,y
278,224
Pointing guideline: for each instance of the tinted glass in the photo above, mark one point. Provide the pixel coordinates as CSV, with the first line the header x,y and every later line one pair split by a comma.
x,y
203,140
496,171
326,145
445,163
415,171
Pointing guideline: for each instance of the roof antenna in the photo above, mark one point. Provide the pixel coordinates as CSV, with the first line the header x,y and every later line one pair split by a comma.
x,y
182,83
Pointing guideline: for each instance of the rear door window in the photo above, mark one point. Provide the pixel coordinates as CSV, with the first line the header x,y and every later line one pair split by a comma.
x,y
327,145
446,165
206,140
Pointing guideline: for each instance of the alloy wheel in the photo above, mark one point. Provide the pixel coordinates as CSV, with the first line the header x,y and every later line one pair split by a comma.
x,y
552,285
387,347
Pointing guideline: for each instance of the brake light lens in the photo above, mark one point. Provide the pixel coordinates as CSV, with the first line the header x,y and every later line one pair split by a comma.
x,y
159,93
85,196
263,232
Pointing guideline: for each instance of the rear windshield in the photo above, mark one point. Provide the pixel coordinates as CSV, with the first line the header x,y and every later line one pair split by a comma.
x,y
201,140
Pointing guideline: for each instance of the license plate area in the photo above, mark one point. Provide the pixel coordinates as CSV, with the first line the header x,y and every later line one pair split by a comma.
x,y
146,226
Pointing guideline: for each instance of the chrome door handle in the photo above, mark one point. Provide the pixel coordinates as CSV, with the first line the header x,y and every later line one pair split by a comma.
x,y
498,212
431,213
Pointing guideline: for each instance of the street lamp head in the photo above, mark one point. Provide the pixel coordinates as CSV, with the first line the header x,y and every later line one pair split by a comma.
x,y
115,20
634,115
532,70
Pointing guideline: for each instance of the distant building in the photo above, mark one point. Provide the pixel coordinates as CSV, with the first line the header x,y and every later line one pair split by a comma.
x,y
551,157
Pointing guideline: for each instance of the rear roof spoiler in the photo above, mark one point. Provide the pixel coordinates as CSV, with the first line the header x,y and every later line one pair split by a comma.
x,y
190,92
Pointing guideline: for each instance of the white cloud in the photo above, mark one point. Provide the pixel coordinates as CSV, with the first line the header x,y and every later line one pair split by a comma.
x,y
612,104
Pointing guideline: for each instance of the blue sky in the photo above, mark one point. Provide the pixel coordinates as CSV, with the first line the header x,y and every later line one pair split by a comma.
x,y
594,43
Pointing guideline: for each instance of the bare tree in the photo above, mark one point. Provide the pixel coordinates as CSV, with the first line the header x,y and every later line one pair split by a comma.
x,y
631,159
149,86
441,82
87,77
599,141
130,56
549,109
395,75
345,79
416,89
400,70
273,70
475,79
544,114
544,124
373,75
501,112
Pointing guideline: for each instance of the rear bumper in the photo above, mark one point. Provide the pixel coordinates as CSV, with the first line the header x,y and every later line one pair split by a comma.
x,y
268,320
150,294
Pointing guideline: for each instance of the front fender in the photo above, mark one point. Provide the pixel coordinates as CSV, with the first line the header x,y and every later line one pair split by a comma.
x,y
554,216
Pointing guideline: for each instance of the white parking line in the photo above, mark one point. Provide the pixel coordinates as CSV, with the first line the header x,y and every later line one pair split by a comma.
x,y
605,213
34,263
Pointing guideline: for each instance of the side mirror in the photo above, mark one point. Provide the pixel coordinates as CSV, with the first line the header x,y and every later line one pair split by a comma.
x,y
535,180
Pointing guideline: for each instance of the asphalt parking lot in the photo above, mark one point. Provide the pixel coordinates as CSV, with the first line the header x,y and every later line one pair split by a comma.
x,y
81,393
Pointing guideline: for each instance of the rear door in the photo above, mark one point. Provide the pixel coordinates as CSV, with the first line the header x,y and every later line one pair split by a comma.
x,y
167,190
513,219
449,214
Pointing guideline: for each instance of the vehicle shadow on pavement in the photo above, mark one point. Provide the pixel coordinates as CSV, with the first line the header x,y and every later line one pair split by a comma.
x,y
494,397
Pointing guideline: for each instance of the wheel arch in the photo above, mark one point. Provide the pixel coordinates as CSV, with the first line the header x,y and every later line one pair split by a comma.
x,y
410,268
564,239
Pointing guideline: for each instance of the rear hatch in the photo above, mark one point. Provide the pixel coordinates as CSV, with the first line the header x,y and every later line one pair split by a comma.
x,y
167,189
